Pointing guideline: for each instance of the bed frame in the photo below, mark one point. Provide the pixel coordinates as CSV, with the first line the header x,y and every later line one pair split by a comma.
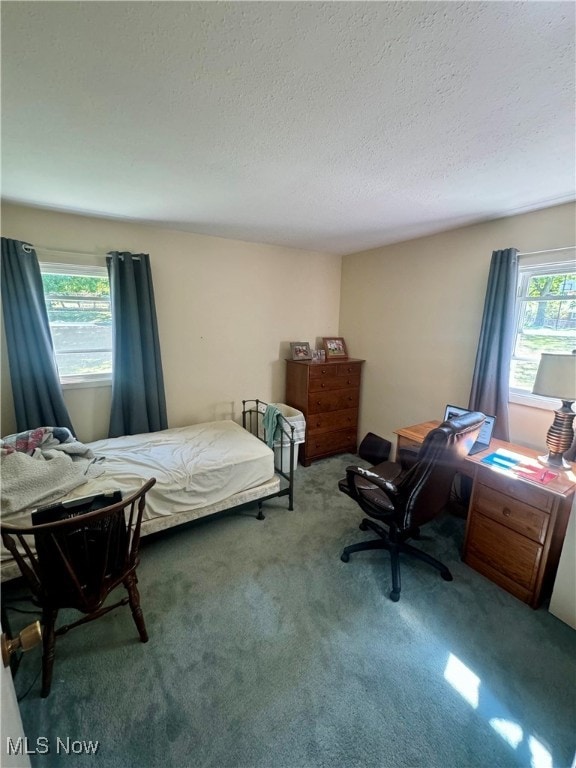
x,y
282,484
252,416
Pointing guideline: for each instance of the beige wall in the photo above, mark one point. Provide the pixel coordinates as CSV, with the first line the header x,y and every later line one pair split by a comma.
x,y
227,311
413,311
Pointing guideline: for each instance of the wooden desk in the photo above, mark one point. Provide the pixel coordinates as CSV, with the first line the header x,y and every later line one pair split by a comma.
x,y
515,528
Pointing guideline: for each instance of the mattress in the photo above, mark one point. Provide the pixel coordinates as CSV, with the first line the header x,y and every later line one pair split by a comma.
x,y
194,467
199,471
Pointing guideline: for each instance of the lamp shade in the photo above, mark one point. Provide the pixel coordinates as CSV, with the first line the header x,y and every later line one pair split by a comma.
x,y
556,376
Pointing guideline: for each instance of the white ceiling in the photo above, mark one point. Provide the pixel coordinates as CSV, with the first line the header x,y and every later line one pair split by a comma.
x,y
335,126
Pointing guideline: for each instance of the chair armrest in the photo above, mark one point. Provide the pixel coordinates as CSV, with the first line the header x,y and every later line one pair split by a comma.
x,y
386,486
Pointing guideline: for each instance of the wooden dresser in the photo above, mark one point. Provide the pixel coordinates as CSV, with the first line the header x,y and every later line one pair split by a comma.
x,y
328,394
515,528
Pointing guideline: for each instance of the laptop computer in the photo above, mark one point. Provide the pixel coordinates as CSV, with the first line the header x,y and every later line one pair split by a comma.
x,y
485,434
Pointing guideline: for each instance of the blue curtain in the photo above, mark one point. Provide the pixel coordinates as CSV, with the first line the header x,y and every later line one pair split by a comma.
x,y
490,383
38,400
138,399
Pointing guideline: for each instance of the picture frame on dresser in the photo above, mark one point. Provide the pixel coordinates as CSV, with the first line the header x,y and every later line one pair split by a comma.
x,y
335,348
300,350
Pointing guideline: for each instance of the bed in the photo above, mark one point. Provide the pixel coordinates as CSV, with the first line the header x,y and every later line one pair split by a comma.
x,y
200,470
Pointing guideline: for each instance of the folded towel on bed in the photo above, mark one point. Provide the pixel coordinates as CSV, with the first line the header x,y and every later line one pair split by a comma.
x,y
270,423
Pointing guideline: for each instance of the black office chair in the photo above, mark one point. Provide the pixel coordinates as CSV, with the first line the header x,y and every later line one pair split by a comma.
x,y
403,499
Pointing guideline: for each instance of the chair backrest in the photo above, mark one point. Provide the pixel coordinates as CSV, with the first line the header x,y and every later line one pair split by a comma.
x,y
425,489
76,562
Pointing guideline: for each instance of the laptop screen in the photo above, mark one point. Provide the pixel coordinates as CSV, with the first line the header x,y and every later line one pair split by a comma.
x,y
485,434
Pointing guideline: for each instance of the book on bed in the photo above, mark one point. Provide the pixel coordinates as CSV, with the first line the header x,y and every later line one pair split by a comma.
x,y
66,509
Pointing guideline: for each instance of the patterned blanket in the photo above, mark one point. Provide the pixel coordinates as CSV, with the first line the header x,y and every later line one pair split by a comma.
x,y
41,465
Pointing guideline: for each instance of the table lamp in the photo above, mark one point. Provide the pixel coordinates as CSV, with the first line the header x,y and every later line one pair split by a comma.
x,y
556,377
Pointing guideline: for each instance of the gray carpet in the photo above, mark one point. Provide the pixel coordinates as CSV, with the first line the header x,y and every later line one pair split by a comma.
x,y
266,651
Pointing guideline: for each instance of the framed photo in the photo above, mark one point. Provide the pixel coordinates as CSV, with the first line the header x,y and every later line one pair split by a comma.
x,y
335,347
318,356
300,350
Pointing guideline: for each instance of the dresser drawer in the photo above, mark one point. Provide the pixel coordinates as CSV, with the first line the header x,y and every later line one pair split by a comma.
x,y
334,400
511,513
504,550
518,489
335,382
349,369
322,372
331,442
326,422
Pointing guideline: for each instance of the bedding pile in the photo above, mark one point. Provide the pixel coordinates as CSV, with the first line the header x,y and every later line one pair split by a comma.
x,y
41,465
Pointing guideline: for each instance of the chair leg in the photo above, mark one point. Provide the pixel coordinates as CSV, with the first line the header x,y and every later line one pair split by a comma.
x,y
395,565
363,546
49,616
426,558
134,600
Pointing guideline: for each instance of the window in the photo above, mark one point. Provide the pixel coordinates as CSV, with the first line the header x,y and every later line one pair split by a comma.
x,y
545,318
78,303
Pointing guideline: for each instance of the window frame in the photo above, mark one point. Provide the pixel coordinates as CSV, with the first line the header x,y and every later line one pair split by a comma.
x,y
89,380
529,265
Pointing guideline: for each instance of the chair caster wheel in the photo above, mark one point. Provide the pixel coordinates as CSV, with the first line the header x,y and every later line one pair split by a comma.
x,y
446,575
344,557
394,596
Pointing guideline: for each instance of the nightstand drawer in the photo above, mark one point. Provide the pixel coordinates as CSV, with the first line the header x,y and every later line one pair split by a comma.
x,y
511,513
504,550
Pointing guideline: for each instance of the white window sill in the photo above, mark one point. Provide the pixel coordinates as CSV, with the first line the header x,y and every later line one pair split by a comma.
x,y
535,401
86,383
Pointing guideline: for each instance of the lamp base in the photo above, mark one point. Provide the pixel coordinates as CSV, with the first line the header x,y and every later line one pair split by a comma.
x,y
559,437
555,461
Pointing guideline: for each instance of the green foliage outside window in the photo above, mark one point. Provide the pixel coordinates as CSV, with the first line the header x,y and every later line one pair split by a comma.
x,y
80,319
546,323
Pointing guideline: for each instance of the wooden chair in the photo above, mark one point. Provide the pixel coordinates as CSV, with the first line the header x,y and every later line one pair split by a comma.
x,y
76,562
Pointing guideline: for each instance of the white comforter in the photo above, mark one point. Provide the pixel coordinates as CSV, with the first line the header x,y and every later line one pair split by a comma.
x,y
193,466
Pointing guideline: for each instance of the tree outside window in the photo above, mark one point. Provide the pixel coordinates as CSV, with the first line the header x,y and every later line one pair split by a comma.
x,y
546,319
78,305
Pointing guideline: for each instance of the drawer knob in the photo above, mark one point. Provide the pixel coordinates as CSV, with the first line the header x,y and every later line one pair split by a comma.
x,y
322,385
506,512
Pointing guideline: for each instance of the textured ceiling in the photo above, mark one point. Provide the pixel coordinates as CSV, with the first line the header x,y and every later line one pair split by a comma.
x,y
333,126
